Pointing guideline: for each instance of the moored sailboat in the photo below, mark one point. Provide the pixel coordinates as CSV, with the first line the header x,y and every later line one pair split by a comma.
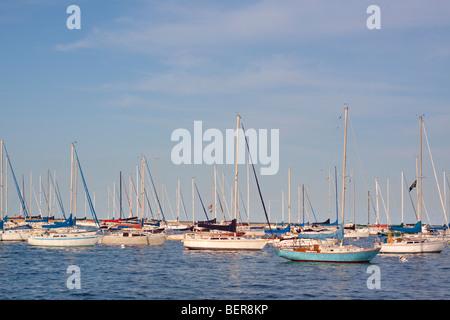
x,y
225,240
65,234
325,252
413,240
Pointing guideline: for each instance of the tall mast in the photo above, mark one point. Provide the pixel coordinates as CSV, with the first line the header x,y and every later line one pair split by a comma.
x,y
1,177
193,202
236,168
289,195
215,192
76,191
248,193
6,186
142,188
419,210
71,180
402,197
344,164
120,196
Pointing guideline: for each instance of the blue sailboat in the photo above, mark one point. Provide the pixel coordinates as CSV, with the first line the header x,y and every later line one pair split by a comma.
x,y
322,251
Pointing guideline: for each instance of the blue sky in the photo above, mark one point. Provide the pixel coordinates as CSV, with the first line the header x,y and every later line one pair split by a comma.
x,y
138,70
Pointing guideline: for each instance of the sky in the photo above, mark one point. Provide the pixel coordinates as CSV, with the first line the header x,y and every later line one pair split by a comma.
x,y
138,70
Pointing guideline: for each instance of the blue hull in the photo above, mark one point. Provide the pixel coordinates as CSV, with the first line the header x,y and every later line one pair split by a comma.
x,y
346,257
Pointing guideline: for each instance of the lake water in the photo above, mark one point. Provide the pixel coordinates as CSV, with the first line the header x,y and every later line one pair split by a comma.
x,y
170,272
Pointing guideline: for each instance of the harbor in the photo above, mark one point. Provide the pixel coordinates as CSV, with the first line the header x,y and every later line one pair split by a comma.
x,y
224,151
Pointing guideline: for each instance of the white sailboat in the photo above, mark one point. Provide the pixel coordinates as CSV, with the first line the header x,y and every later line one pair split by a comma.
x,y
9,230
134,236
65,237
66,234
418,243
214,240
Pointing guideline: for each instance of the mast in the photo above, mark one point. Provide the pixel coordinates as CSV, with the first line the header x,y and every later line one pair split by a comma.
x,y
329,194
76,191
248,194
193,203
236,168
215,192
48,192
419,210
344,164
31,188
289,195
178,201
298,206
354,201
71,179
120,196
402,197
142,188
1,177
6,186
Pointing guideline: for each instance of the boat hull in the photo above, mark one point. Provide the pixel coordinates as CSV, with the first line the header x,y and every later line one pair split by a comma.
x,y
139,240
361,256
82,241
413,247
15,235
225,244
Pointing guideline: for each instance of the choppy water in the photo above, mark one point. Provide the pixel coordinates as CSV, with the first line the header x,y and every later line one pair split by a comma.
x,y
170,272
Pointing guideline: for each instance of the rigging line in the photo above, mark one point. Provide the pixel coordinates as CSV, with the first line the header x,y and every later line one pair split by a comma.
x,y
310,205
358,155
121,209
146,195
201,201
86,190
410,198
435,176
148,202
168,201
256,179
128,199
384,206
58,196
17,185
243,205
224,200
154,190
184,207
220,202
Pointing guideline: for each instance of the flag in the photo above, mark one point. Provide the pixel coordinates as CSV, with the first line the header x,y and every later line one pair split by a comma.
x,y
413,185
210,208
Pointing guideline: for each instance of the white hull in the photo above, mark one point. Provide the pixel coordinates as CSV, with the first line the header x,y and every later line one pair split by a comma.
x,y
133,239
295,242
175,237
358,233
64,240
414,245
220,242
15,235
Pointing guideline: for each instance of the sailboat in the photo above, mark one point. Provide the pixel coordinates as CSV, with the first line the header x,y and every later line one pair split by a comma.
x,y
415,241
11,231
65,234
321,251
217,240
133,233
